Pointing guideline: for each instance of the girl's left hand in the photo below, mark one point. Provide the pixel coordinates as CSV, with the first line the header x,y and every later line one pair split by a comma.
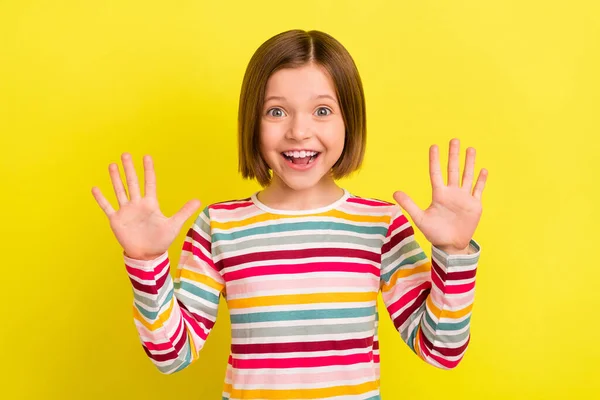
x,y
450,221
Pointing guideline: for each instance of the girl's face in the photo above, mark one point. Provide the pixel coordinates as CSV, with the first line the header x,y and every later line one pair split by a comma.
x,y
302,130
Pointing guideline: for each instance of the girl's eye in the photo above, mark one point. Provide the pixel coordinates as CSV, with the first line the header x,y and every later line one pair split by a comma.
x,y
323,111
275,112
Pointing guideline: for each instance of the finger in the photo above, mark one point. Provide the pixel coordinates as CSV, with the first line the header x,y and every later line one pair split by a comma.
x,y
453,162
117,183
131,177
185,213
409,205
435,173
467,181
480,184
149,177
102,202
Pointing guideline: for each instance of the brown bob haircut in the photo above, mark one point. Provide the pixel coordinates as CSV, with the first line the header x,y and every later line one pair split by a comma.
x,y
292,49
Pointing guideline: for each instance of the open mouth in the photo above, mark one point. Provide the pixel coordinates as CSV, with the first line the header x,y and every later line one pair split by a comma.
x,y
300,157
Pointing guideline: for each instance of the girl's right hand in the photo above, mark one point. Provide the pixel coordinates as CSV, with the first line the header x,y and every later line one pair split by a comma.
x,y
139,225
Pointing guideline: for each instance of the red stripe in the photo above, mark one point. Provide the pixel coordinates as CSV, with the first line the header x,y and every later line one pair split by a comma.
x,y
398,237
233,206
411,309
152,288
294,347
451,289
297,254
158,346
308,362
445,351
187,246
147,275
177,342
196,236
369,202
408,297
453,276
444,362
301,269
171,355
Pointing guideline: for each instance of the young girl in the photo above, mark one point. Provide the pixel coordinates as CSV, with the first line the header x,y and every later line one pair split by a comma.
x,y
301,262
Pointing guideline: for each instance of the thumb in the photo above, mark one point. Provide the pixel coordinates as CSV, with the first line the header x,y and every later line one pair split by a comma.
x,y
185,213
409,205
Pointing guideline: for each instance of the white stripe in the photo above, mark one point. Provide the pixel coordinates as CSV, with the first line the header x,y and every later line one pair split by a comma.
x,y
303,338
301,307
304,322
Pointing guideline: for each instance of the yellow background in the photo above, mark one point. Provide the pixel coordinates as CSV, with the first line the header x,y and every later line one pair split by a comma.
x,y
83,81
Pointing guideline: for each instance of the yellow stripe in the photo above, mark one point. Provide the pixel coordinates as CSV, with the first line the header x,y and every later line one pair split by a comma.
x,y
159,322
317,393
447,313
271,217
200,278
417,344
403,273
301,299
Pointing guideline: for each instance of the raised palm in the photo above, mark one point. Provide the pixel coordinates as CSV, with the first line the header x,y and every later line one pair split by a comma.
x,y
140,227
455,210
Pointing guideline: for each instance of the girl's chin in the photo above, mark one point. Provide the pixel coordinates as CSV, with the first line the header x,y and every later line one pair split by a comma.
x,y
299,183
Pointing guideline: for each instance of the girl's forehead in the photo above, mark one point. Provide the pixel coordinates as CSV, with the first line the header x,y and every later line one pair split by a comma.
x,y
309,80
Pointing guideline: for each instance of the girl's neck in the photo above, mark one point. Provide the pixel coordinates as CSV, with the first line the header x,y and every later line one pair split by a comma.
x,y
280,196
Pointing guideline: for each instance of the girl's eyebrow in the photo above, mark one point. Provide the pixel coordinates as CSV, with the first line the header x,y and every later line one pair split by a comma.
x,y
321,96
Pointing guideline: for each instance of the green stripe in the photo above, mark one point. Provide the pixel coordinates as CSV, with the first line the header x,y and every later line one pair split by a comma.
x,y
305,330
447,326
300,226
278,240
196,291
151,315
302,315
407,261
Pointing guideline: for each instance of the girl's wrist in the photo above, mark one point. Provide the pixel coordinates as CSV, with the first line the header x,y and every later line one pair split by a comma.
x,y
451,250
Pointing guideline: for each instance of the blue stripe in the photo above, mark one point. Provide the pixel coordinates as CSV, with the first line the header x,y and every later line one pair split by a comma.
x,y
302,315
195,290
300,226
447,326
152,315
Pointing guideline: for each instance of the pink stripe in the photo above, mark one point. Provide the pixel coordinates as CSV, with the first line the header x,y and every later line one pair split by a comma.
x,y
406,298
462,302
238,214
446,363
301,268
287,283
302,377
147,275
302,362
354,209
451,289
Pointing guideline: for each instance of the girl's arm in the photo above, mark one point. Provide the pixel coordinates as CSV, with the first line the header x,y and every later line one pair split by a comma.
x,y
174,316
429,301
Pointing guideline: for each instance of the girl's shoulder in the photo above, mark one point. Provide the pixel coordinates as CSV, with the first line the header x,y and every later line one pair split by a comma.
x,y
369,201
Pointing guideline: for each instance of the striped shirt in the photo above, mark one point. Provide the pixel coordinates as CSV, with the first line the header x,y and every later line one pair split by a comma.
x,y
301,288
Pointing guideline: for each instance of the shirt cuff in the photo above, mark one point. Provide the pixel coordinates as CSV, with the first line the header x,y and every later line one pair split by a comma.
x,y
145,265
455,260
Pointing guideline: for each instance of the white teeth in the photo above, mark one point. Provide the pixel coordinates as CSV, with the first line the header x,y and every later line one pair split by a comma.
x,y
300,154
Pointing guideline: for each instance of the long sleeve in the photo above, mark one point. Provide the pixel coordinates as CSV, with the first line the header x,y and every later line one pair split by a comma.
x,y
429,301
174,316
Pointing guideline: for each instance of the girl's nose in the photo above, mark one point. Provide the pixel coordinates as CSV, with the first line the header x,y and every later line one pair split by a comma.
x,y
300,128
